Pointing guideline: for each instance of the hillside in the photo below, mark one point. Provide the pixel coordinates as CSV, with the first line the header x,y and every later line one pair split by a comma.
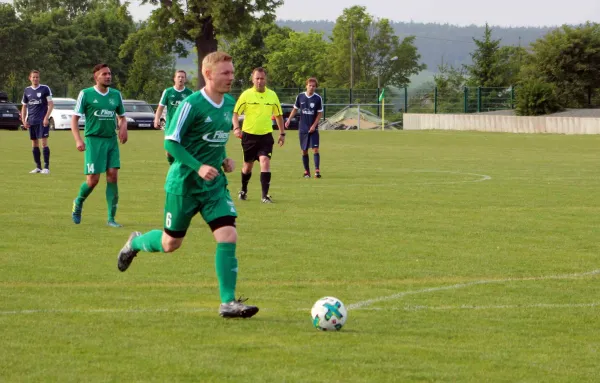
x,y
436,42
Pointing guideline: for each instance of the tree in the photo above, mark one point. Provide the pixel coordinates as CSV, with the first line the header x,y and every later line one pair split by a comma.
x,y
350,37
203,21
73,7
300,56
71,47
14,40
569,58
374,44
450,83
249,50
150,70
511,60
486,70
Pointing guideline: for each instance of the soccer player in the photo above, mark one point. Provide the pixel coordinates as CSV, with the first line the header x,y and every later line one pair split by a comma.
x,y
172,97
258,104
35,112
196,137
310,107
102,107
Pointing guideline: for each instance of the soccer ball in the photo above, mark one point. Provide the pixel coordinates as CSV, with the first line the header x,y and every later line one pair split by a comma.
x,y
329,314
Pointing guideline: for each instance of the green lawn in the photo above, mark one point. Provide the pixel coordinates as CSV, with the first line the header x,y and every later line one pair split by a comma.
x,y
461,256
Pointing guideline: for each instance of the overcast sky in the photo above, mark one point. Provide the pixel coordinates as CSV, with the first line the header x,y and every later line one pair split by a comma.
x,y
460,12
514,13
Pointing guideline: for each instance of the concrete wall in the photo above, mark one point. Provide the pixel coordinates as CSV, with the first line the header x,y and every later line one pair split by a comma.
x,y
497,123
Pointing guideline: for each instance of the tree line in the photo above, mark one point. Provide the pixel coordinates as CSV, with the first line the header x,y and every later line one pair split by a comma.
x,y
64,39
557,71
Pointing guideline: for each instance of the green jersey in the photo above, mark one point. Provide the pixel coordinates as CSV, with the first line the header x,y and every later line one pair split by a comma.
x,y
202,128
100,111
171,98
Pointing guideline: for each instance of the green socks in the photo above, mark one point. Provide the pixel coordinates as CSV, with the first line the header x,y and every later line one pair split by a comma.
x,y
227,269
150,242
112,200
84,192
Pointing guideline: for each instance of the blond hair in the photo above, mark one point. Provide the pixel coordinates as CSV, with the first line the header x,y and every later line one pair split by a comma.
x,y
211,59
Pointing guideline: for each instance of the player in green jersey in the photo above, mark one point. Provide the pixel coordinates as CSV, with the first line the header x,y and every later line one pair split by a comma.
x,y
171,98
196,182
102,106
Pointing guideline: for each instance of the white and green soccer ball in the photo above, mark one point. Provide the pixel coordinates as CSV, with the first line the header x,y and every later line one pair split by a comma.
x,y
329,314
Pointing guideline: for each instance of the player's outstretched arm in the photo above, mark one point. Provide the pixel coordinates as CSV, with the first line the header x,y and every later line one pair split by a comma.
x,y
235,120
292,115
178,152
157,116
228,165
123,136
75,130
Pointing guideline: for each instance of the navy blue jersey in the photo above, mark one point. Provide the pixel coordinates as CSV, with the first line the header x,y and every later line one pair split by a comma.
x,y
308,108
36,100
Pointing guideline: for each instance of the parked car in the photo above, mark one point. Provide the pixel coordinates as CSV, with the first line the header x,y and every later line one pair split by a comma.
x,y
64,109
139,114
10,116
287,110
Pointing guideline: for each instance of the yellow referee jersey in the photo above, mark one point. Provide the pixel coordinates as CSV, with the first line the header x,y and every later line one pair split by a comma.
x,y
258,108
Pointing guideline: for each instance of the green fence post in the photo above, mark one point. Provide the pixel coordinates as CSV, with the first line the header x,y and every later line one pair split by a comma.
x,y
512,97
324,103
466,100
378,103
478,99
350,96
435,100
405,99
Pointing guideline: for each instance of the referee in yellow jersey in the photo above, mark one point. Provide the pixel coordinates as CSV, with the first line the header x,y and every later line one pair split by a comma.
x,y
258,104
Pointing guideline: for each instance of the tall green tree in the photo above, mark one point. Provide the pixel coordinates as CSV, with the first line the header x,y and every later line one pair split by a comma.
x,y
301,55
349,47
249,50
486,70
203,21
363,49
72,7
569,58
14,40
150,70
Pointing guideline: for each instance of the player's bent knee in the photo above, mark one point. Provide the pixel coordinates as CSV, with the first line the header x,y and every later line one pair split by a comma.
x,y
170,243
92,180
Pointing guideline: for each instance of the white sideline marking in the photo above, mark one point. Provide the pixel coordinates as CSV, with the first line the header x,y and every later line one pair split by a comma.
x,y
489,307
480,178
362,305
369,302
102,311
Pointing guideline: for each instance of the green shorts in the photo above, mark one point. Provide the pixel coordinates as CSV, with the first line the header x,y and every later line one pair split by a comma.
x,y
179,210
101,153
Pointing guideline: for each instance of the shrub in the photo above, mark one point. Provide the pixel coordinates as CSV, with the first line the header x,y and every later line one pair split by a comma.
x,y
536,98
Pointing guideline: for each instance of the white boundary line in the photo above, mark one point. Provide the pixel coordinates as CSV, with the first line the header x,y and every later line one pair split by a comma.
x,y
362,305
402,294
481,178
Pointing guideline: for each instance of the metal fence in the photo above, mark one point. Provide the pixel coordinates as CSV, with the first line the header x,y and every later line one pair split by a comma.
x,y
397,100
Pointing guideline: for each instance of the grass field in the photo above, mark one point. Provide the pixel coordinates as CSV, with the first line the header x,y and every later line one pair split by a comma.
x,y
462,257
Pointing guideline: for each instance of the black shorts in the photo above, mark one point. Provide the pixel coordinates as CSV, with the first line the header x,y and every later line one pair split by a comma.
x,y
38,131
309,140
257,145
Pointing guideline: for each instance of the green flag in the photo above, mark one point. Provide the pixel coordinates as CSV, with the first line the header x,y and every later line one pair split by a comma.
x,y
381,95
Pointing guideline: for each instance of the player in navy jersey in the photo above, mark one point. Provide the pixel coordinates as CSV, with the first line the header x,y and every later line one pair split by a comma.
x,y
310,107
37,106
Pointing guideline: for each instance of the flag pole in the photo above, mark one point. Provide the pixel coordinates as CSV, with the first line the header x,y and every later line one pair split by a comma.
x,y
382,113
